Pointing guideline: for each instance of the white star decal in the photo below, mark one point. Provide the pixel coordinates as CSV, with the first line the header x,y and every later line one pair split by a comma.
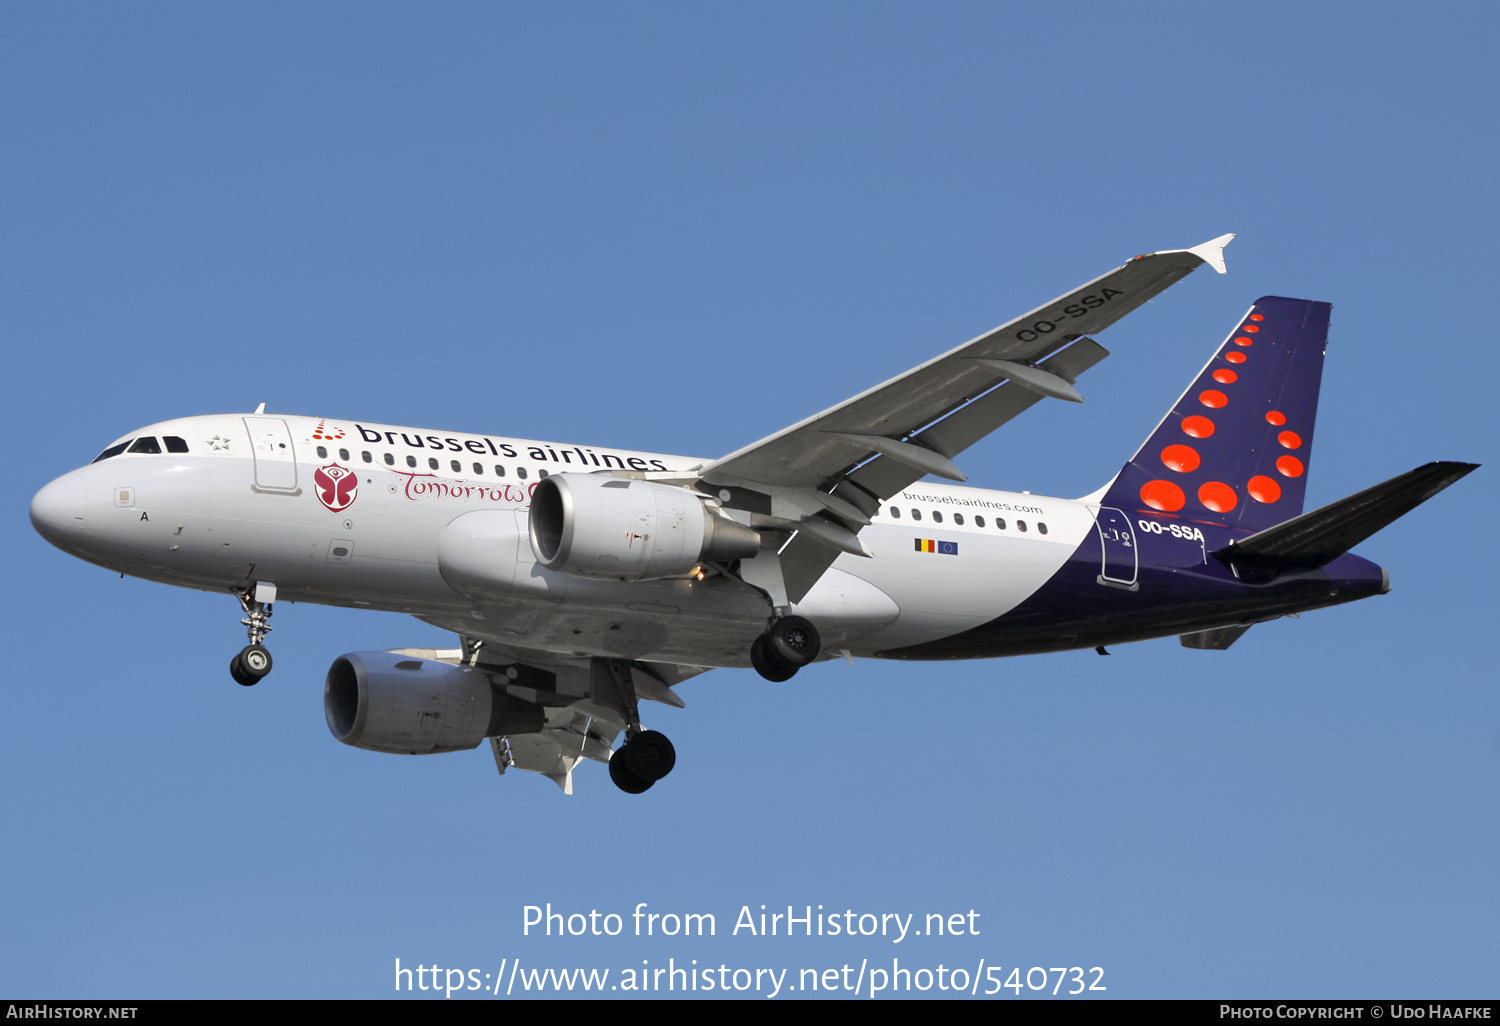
x,y
218,443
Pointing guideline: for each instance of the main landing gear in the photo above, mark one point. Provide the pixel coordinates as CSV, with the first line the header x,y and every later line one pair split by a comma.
x,y
641,761
647,755
790,643
253,661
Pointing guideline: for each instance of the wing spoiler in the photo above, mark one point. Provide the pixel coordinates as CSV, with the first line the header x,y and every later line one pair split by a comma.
x,y
1317,538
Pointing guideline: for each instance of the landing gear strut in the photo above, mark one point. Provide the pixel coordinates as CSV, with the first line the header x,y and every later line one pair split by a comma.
x,y
253,661
647,755
790,643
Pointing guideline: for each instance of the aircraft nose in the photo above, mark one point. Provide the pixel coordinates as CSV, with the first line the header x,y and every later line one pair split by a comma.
x,y
57,510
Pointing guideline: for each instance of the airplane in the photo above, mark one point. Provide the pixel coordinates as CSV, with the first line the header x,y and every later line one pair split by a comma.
x,y
581,580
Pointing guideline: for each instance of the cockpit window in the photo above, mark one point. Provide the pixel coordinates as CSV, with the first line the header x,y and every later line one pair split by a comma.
x,y
175,444
146,444
113,450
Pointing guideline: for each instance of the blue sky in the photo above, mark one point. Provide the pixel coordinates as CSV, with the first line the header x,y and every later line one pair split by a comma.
x,y
678,228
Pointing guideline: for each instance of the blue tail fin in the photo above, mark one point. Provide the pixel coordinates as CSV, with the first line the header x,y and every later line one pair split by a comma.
x,y
1237,447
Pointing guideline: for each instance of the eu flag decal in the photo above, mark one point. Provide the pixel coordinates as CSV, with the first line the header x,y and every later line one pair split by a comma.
x,y
942,548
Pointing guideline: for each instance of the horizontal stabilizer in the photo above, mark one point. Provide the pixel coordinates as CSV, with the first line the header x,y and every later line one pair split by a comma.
x,y
1317,538
1217,639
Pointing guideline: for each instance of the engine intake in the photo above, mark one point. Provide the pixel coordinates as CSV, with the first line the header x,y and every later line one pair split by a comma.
x,y
592,525
384,702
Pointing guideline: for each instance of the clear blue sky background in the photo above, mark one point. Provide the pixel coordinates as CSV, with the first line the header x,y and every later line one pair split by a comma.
x,y
680,227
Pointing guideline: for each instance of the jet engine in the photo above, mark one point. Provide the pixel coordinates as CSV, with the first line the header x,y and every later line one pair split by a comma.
x,y
617,528
385,702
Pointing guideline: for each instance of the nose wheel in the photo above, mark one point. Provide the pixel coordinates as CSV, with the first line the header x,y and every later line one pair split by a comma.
x,y
790,643
253,661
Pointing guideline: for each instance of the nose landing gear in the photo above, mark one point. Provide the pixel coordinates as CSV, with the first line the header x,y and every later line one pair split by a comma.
x,y
253,661
790,643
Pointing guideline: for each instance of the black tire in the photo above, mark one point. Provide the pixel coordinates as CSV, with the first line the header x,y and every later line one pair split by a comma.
x,y
648,755
767,664
794,640
254,661
240,677
624,779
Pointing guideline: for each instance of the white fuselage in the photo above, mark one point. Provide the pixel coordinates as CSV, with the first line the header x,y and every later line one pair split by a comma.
x,y
435,524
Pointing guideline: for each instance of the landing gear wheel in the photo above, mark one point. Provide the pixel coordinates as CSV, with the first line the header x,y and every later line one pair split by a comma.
x,y
648,756
239,675
253,663
794,640
768,664
624,779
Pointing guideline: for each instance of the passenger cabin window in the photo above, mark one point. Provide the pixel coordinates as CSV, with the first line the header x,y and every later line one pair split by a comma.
x,y
521,473
1041,528
431,462
958,518
1021,525
175,444
366,457
148,445
916,514
979,521
1000,523
411,461
541,473
390,460
344,455
937,516
499,470
322,453
457,467
478,469
895,513
112,451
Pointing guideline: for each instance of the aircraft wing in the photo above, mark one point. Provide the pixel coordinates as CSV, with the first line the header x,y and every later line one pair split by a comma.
x,y
825,476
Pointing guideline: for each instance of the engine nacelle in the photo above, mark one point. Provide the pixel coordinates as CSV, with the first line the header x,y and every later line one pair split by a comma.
x,y
592,525
384,702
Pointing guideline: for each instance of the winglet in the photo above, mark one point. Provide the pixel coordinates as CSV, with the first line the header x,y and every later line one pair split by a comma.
x,y
1212,252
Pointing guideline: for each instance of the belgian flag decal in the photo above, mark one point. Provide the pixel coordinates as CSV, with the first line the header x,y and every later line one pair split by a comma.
x,y
942,548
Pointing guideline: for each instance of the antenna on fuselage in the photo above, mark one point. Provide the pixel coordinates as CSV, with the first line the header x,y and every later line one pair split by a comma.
x,y
261,408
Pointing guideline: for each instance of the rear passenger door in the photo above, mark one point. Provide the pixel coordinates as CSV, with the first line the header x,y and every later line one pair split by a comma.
x,y
1120,561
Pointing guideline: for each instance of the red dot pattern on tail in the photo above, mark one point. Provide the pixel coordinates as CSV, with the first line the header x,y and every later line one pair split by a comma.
x,y
1182,458
1226,463
1218,496
1263,489
1163,495
1197,427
